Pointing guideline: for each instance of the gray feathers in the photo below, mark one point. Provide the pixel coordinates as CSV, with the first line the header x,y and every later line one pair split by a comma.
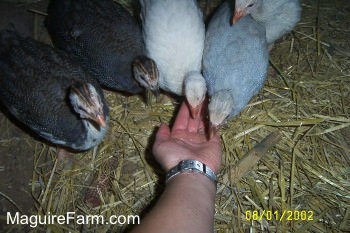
x,y
235,60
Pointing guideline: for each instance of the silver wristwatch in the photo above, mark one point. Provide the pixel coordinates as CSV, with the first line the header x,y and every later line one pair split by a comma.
x,y
190,166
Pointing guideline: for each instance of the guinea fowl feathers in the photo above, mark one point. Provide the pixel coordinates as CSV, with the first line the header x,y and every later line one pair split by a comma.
x,y
235,63
174,34
173,39
35,83
277,16
102,35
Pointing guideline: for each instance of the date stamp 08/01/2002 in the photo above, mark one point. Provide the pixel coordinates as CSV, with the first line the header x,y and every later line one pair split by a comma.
x,y
285,215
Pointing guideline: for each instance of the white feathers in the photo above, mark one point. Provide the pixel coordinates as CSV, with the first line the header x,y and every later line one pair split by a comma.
x,y
195,88
174,34
94,135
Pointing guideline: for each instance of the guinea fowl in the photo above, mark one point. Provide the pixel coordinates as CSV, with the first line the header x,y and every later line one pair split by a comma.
x,y
235,64
106,39
174,33
50,93
277,16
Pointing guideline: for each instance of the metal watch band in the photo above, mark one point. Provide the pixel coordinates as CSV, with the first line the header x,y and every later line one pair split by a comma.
x,y
189,166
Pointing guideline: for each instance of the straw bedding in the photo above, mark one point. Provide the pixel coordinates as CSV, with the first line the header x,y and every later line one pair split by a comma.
x,y
305,98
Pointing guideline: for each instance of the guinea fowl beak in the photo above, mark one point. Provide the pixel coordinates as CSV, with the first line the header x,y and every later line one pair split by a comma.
x,y
237,16
100,120
156,92
213,130
194,111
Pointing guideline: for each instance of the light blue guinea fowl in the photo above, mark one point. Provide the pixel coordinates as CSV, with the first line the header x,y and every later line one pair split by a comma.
x,y
50,93
106,39
235,64
277,16
174,33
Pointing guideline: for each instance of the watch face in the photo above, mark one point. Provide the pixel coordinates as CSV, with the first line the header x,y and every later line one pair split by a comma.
x,y
190,166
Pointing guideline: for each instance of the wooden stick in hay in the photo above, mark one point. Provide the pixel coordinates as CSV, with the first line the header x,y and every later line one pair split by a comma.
x,y
99,184
254,155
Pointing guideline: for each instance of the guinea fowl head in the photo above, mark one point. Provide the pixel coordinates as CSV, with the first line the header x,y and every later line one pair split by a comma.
x,y
88,103
195,89
146,73
220,107
243,8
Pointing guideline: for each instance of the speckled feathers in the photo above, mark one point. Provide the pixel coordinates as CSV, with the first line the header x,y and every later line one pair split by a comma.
x,y
102,35
35,80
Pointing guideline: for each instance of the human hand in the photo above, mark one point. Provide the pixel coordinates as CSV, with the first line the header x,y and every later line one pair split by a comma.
x,y
186,140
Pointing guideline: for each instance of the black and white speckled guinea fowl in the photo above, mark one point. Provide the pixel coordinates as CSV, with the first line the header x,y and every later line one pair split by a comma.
x,y
106,39
50,93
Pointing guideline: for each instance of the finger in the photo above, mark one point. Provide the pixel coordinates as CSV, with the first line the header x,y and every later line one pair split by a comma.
x,y
216,137
194,123
182,118
163,134
204,122
201,127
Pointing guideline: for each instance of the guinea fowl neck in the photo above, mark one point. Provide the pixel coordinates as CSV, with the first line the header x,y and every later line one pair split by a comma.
x,y
87,102
220,107
146,73
260,14
195,91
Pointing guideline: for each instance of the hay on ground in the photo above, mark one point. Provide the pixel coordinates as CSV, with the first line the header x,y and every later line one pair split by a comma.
x,y
306,98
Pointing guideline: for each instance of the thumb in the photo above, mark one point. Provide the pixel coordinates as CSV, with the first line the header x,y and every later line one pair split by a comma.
x,y
163,133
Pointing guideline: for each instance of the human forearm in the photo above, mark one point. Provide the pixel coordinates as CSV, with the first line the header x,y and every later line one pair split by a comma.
x,y
187,205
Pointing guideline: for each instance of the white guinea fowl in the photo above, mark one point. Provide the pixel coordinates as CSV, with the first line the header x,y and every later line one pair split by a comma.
x,y
277,16
235,62
174,33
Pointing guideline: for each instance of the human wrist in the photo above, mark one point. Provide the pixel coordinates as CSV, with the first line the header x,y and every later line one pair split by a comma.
x,y
167,162
193,181
191,166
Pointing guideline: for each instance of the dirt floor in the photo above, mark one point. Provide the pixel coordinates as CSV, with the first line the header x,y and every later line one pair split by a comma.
x,y
16,163
136,181
16,167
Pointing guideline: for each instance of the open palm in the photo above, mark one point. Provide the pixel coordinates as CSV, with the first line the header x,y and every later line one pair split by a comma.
x,y
186,140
